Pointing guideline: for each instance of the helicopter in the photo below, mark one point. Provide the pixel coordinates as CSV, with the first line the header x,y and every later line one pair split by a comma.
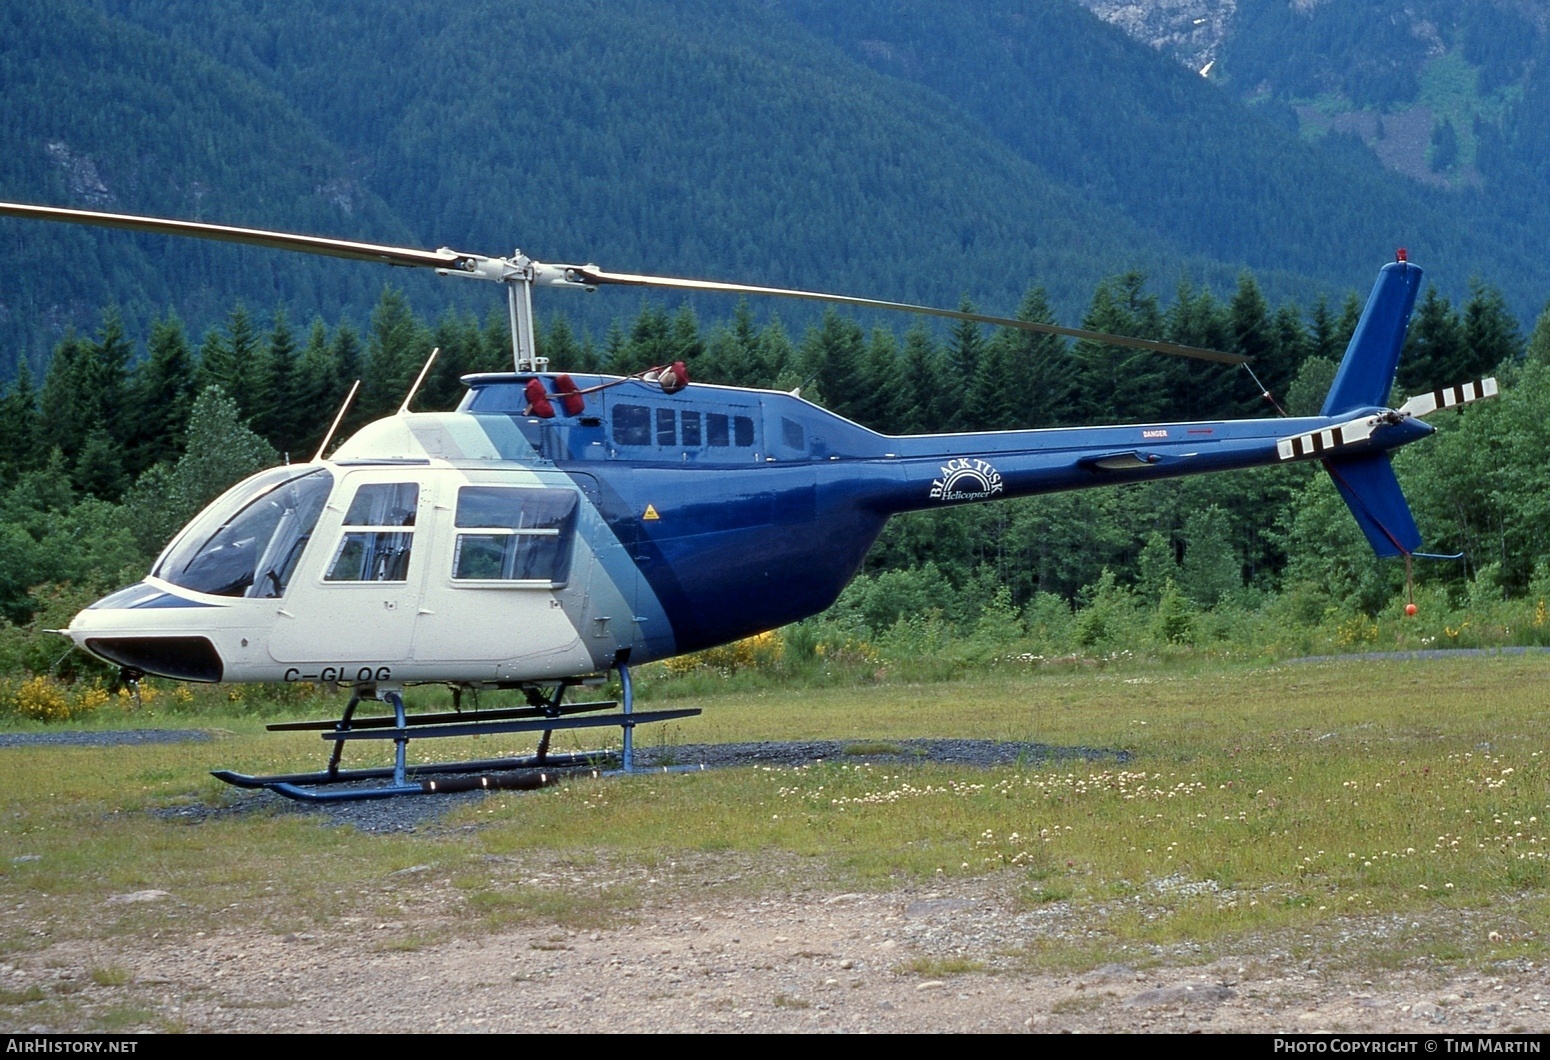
x,y
554,528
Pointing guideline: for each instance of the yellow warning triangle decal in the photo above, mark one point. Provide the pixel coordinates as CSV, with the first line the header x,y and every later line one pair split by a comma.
x,y
651,513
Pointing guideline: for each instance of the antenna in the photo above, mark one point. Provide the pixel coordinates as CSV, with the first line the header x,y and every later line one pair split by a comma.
x,y
402,409
335,425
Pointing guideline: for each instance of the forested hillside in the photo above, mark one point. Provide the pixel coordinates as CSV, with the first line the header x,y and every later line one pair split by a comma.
x,y
1450,94
902,150
1017,155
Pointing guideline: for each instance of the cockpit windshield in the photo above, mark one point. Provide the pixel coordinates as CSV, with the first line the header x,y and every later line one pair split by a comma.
x,y
249,541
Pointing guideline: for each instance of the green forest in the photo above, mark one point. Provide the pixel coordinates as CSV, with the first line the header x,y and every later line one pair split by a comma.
x,y
127,436
905,150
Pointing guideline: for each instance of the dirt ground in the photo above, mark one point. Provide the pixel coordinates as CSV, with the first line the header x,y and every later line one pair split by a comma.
x,y
920,960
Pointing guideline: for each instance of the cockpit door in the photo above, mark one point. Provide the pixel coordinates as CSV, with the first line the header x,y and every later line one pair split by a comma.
x,y
353,601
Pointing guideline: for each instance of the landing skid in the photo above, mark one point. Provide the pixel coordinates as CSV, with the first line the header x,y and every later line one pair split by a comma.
x,y
544,714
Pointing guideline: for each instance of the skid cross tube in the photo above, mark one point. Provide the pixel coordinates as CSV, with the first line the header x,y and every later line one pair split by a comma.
x,y
402,734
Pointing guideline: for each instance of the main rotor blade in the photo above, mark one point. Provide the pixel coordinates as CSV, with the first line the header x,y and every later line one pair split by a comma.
x,y
561,275
258,237
591,274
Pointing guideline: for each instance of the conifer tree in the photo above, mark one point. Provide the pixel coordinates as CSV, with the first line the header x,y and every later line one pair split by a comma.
x,y
278,385
1435,353
60,400
777,356
460,344
651,342
1345,327
834,352
320,387
1538,349
99,467
1254,336
1210,569
732,355
21,438
1323,334
965,347
565,352
396,348
882,409
1116,384
163,394
684,342
86,389
1491,334
228,358
1198,391
922,381
495,344
995,398
1043,371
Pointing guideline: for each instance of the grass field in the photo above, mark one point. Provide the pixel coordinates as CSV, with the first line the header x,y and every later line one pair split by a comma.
x,y
1289,801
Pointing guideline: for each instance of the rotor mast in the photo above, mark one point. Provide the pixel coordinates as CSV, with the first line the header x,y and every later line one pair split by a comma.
x,y
524,343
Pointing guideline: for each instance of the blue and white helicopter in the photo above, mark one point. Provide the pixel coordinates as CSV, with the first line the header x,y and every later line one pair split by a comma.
x,y
556,528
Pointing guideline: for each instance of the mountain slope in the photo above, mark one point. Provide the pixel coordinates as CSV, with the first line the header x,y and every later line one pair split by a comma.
x,y
1181,159
902,150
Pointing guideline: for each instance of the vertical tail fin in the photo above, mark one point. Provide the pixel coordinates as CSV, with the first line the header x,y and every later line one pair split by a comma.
x,y
1366,373
1364,379
1369,488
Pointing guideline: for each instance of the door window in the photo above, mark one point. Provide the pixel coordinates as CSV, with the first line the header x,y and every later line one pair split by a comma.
x,y
378,534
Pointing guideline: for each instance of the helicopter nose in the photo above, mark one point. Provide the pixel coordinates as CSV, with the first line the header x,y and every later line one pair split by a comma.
x,y
180,658
139,628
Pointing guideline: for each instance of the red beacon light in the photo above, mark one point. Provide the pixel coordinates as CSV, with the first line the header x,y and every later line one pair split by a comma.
x,y
1401,255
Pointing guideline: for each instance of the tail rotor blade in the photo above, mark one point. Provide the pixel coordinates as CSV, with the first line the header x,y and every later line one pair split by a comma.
x,y
1317,443
1447,397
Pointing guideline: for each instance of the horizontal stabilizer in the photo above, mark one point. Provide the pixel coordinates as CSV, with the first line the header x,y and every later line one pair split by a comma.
x,y
1370,490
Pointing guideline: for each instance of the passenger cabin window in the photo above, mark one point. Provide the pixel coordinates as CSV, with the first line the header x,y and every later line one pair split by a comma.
x,y
632,425
672,429
377,535
513,535
691,429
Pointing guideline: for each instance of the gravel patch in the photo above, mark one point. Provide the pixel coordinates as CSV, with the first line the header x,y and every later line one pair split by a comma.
x,y
1423,653
902,752
105,738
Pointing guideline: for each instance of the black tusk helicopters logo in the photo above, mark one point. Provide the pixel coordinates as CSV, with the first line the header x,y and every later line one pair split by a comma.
x,y
555,528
